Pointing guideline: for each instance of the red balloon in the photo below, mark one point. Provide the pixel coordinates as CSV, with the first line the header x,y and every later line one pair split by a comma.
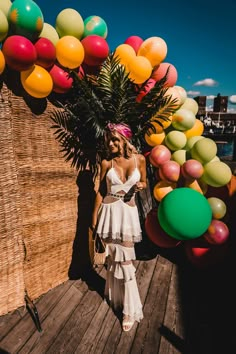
x,y
155,232
160,71
96,49
169,171
46,52
217,232
203,255
149,85
61,80
19,53
135,42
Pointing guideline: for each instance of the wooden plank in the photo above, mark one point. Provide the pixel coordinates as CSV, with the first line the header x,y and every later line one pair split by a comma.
x,y
74,326
54,323
25,328
172,330
147,337
10,320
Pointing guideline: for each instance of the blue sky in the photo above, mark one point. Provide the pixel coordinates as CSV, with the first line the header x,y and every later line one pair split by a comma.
x,y
200,36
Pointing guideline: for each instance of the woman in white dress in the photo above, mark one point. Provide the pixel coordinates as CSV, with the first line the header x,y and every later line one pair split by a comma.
x,y
116,219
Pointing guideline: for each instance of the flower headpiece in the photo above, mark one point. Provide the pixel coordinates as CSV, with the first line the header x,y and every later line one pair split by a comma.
x,y
121,128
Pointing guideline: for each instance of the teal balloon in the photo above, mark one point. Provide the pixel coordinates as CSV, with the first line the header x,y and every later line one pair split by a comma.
x,y
25,19
184,214
95,25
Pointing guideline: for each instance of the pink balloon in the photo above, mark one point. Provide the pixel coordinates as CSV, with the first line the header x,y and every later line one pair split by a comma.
x,y
192,169
159,155
61,81
135,42
96,50
46,52
217,233
169,171
160,71
149,85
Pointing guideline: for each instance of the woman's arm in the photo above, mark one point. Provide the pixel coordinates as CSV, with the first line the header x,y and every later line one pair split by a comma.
x,y
100,193
142,184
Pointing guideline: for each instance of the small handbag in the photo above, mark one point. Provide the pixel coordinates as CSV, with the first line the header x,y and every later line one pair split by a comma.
x,y
97,248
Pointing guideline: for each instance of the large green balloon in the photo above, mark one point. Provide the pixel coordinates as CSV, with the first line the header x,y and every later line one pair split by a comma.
x,y
184,213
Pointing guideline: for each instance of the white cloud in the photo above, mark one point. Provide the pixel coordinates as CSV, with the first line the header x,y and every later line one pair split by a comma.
x,y
193,93
232,99
206,82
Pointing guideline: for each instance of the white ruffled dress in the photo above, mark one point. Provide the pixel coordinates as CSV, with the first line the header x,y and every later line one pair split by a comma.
x,y
119,221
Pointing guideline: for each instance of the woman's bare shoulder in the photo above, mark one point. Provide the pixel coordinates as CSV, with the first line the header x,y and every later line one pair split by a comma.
x,y
105,164
141,158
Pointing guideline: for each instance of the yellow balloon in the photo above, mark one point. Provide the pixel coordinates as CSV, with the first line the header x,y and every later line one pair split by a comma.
x,y
196,130
2,62
69,52
3,26
182,93
37,81
69,22
190,104
50,33
5,6
154,49
125,53
140,69
155,138
162,188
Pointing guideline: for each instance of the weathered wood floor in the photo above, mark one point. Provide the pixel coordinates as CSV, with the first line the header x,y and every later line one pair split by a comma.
x,y
186,311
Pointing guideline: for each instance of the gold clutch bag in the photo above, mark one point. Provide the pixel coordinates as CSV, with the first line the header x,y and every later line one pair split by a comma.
x,y
97,249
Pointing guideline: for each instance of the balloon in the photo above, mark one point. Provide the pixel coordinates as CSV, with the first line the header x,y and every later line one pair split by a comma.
x,y
190,104
37,82
96,50
182,93
175,140
154,49
26,19
216,173
19,52
140,69
2,62
217,232
174,95
50,33
184,213
160,71
183,119
204,255
69,52
135,42
154,138
95,25
147,87
162,188
179,156
192,169
204,150
159,154
5,6
191,141
3,26
46,52
218,207
69,23
124,53
61,80
169,171
156,234
196,130
197,185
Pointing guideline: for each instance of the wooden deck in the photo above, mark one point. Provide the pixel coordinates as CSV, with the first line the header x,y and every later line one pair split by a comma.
x,y
186,310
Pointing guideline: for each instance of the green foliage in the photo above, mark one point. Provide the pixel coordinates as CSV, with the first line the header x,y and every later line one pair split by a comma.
x,y
96,100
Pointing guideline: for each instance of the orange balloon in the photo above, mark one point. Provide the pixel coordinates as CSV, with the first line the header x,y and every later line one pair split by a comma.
x,y
2,62
196,130
69,52
155,139
162,188
140,69
154,49
125,53
37,81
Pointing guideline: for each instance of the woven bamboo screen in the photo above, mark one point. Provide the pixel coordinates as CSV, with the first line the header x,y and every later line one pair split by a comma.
x,y
38,195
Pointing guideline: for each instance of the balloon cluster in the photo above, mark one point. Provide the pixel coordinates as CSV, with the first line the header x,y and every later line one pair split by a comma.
x,y
43,53
187,174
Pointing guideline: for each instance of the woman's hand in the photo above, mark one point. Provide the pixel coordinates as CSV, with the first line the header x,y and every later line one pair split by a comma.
x,y
138,187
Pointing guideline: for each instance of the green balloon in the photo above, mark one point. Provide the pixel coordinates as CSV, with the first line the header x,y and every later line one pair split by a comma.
x,y
95,25
184,214
26,19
